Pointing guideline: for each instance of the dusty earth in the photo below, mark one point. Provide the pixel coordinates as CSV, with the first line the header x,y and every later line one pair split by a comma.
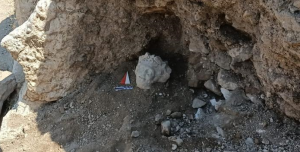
x,y
95,117
6,23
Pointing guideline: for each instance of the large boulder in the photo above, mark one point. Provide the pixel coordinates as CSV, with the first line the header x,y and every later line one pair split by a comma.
x,y
7,86
151,69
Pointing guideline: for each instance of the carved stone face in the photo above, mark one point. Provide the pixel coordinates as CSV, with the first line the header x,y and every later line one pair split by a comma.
x,y
144,76
151,69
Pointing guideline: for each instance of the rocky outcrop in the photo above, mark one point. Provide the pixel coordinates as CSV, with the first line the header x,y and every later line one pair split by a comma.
x,y
255,40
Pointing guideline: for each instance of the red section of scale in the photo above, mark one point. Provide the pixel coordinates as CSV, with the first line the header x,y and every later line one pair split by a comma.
x,y
123,79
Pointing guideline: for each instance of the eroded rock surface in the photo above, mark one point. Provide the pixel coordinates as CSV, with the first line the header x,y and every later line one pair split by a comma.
x,y
62,41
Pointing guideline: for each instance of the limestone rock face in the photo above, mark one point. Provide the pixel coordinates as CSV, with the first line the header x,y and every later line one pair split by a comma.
x,y
63,40
37,45
151,69
7,86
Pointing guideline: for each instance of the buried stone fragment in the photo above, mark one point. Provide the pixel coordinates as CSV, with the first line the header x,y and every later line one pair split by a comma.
x,y
151,69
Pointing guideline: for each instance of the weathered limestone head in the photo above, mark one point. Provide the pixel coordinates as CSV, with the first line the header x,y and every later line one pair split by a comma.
x,y
151,69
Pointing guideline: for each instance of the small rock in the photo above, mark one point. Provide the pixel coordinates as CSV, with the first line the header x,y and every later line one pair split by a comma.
x,y
177,128
197,45
166,128
228,79
212,86
297,4
135,134
61,110
174,147
200,114
256,141
241,54
208,149
158,119
265,141
190,117
168,112
220,131
249,141
71,105
197,103
216,103
226,93
263,124
223,60
177,140
176,115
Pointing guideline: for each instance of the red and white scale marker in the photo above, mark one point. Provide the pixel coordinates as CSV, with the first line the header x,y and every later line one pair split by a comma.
x,y
125,80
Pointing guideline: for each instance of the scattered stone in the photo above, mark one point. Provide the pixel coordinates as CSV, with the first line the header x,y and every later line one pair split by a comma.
x,y
220,131
168,112
190,117
263,124
71,105
177,128
297,4
199,114
228,80
256,141
226,93
166,128
249,141
216,103
208,149
197,103
174,146
212,86
61,110
197,45
151,69
176,115
241,54
255,99
177,140
223,60
265,141
158,119
135,134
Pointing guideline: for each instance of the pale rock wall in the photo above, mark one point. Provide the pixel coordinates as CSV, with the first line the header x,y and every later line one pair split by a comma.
x,y
255,40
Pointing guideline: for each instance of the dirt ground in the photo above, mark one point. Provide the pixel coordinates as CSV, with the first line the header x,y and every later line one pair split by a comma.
x,y
6,23
98,118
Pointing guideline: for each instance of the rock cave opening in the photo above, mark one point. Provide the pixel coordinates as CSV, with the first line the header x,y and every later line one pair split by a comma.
x,y
177,61
164,39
